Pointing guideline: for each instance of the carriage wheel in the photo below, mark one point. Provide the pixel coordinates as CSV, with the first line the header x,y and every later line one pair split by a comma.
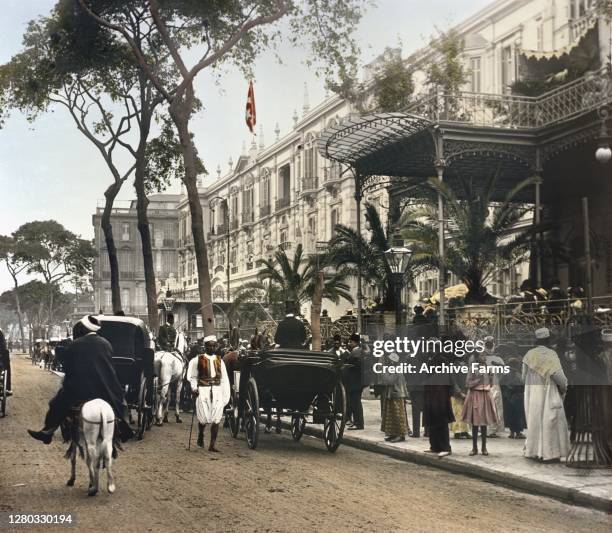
x,y
234,414
333,427
251,414
144,412
298,423
3,393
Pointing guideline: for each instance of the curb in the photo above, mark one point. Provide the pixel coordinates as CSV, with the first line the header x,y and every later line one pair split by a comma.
x,y
531,486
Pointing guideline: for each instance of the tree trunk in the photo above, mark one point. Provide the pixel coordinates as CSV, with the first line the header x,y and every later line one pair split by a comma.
x,y
31,335
110,195
19,314
315,311
180,111
50,317
142,202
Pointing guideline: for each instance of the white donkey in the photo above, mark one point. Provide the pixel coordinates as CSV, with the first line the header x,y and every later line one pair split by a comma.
x,y
170,369
94,440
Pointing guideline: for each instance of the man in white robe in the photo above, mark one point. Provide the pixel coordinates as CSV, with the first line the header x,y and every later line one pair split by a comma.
x,y
209,382
545,384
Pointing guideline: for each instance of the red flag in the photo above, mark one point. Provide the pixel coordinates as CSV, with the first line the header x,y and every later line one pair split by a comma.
x,y
251,117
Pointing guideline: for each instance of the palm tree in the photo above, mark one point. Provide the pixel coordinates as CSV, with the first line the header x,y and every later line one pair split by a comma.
x,y
351,251
295,279
482,235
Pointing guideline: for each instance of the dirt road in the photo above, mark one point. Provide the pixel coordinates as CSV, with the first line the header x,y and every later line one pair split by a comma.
x,y
282,486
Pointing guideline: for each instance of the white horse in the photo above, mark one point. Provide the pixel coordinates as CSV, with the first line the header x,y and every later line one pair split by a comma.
x,y
94,440
170,368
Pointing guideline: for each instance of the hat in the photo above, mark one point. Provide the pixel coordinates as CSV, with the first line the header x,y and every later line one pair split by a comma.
x,y
606,335
489,338
542,333
90,323
210,338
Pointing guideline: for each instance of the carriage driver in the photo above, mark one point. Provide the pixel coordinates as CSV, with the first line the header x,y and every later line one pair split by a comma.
x,y
166,337
210,386
89,374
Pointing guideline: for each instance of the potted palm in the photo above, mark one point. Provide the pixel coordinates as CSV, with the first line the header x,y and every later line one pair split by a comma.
x,y
482,235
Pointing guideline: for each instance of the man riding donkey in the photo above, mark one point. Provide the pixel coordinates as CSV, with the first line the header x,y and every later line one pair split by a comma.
x,y
89,374
210,386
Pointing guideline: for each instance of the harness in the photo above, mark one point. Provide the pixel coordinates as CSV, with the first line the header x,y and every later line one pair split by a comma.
x,y
180,357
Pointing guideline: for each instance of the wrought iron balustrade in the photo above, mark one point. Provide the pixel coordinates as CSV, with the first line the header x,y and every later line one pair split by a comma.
x,y
518,112
518,320
285,245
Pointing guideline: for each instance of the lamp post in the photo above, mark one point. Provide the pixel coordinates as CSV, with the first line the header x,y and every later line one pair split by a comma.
x,y
398,257
603,154
223,201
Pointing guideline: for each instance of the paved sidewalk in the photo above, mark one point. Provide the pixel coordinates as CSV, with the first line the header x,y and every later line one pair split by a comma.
x,y
505,463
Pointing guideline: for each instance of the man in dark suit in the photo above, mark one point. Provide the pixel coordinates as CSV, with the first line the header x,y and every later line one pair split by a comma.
x,y
166,337
5,362
290,332
89,374
353,381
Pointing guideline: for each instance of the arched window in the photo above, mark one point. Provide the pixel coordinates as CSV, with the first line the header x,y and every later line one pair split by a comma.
x,y
218,293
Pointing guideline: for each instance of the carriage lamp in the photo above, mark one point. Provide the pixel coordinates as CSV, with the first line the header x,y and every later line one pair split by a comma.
x,y
398,257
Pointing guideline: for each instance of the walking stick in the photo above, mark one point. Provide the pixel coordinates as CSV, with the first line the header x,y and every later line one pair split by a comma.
x,y
191,429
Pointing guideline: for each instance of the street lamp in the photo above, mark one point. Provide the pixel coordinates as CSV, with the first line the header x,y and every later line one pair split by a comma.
x,y
603,154
223,201
398,258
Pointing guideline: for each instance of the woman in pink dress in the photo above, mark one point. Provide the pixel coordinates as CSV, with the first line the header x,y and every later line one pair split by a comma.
x,y
479,408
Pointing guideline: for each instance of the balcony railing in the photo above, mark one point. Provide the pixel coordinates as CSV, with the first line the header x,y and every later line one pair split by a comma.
x,y
264,211
283,203
331,174
221,229
519,112
285,245
310,184
248,217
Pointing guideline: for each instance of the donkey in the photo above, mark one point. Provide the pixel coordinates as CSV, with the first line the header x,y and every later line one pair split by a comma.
x,y
170,368
92,437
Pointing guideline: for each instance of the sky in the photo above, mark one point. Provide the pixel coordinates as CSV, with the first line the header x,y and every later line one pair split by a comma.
x,y
48,170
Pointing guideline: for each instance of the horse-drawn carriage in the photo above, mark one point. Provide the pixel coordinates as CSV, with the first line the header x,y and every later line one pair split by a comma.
x,y
133,362
305,385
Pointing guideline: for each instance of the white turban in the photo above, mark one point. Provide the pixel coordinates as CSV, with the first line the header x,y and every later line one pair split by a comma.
x,y
210,338
90,323
542,333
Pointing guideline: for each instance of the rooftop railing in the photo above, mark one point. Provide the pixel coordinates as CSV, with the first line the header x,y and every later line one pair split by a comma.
x,y
509,111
